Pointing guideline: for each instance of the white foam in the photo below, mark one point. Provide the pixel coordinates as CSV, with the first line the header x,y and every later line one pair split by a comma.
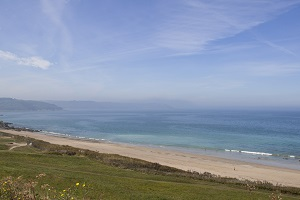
x,y
249,152
52,133
257,153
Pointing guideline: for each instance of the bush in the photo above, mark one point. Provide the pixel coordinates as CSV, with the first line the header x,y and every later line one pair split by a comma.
x,y
20,189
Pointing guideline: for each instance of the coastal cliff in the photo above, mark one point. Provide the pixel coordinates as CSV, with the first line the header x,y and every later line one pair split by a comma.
x,y
10,104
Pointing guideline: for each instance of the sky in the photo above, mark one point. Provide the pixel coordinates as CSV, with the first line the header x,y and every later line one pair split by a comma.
x,y
209,53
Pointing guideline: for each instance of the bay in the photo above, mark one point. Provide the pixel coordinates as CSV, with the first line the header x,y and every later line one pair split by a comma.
x,y
267,137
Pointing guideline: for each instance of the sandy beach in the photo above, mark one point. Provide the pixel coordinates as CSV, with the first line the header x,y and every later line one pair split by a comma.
x,y
185,161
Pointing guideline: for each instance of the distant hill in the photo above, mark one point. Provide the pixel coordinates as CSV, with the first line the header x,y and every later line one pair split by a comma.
x,y
93,105
9,104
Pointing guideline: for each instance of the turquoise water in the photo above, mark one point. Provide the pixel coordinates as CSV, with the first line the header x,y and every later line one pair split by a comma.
x,y
266,137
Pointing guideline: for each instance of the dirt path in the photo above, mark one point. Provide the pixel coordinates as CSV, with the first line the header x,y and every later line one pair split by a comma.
x,y
15,145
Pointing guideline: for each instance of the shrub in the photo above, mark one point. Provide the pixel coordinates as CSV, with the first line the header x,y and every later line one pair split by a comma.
x,y
20,189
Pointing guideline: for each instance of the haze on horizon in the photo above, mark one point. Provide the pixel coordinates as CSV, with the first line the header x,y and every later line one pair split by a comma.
x,y
207,53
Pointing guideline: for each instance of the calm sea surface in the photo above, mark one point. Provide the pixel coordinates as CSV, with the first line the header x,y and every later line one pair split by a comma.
x,y
266,137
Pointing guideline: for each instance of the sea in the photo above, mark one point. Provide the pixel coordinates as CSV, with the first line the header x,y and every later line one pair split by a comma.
x,y
263,137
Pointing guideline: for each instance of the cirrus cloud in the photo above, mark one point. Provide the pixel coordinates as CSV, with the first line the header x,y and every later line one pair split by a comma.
x,y
33,61
191,25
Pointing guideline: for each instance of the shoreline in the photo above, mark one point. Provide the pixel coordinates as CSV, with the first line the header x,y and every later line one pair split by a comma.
x,y
260,158
182,160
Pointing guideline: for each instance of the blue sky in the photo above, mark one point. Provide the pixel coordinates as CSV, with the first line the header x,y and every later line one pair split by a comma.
x,y
210,53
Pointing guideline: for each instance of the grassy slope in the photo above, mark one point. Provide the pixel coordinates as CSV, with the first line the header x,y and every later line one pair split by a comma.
x,y
112,182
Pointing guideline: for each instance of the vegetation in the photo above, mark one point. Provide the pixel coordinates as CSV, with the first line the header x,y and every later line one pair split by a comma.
x,y
18,188
9,104
114,177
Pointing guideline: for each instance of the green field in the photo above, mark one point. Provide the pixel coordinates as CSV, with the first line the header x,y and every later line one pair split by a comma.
x,y
110,178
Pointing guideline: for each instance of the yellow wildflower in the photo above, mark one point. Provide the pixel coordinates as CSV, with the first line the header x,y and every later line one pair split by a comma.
x,y
77,184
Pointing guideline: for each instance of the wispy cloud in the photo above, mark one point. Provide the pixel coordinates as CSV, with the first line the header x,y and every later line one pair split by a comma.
x,y
278,47
54,10
33,61
267,69
194,24
112,55
217,82
212,49
274,69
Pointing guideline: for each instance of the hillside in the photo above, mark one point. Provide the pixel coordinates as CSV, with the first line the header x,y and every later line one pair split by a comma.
x,y
10,104
90,175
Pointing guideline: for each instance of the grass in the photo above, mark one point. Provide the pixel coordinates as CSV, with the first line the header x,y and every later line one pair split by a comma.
x,y
115,177
3,143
